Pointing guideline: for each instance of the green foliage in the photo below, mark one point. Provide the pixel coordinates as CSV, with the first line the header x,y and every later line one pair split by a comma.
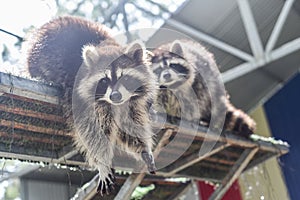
x,y
140,192
12,191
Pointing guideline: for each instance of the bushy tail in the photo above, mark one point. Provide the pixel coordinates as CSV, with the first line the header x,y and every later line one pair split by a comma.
x,y
239,122
54,50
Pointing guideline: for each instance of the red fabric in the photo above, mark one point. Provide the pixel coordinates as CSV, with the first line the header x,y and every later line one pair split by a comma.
x,y
205,190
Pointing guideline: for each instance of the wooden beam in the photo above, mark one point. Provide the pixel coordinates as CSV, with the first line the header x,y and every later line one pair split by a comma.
x,y
194,158
219,160
233,140
87,191
31,113
29,138
235,171
40,159
28,127
135,179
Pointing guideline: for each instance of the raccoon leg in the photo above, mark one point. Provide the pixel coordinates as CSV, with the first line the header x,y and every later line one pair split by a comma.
x,y
103,163
149,160
146,153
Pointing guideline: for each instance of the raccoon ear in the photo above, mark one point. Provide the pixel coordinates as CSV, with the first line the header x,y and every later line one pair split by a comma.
x,y
136,50
90,55
176,47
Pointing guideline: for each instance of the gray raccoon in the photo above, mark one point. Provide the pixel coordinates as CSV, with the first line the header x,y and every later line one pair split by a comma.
x,y
184,66
111,91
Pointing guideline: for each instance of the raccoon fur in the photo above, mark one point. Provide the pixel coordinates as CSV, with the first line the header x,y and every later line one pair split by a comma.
x,y
184,66
109,86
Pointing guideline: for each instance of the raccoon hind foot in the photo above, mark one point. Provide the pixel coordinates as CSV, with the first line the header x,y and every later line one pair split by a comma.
x,y
106,186
149,160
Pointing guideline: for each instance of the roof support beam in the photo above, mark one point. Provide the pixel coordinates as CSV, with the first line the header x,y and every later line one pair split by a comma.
x,y
234,172
279,24
209,39
247,67
251,28
194,158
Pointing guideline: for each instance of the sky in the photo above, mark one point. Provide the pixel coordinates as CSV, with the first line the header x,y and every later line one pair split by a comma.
x,y
15,15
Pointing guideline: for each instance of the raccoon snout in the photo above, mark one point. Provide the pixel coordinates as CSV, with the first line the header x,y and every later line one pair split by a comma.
x,y
166,75
115,96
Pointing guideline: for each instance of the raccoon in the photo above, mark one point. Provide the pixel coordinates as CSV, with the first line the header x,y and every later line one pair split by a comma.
x,y
106,90
184,66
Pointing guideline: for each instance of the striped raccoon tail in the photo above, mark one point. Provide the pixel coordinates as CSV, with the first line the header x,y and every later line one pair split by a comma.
x,y
239,122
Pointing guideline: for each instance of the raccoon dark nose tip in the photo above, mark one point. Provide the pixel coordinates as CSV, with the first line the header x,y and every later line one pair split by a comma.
x,y
167,76
115,96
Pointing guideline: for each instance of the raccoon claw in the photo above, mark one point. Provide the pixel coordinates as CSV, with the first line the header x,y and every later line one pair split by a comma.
x,y
112,177
106,186
148,158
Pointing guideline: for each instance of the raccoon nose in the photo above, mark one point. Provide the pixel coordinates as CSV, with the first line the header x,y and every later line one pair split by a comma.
x,y
115,96
167,76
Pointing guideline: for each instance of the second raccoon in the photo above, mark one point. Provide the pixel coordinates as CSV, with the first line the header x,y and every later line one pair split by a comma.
x,y
187,72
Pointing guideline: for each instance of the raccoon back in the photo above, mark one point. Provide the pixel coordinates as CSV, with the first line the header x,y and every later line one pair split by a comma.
x,y
54,50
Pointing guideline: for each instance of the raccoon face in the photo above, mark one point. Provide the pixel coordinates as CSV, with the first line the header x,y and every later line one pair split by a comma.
x,y
115,77
171,69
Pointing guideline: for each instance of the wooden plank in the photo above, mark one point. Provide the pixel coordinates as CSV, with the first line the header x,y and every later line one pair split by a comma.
x,y
227,137
29,88
29,138
218,160
28,99
234,172
194,158
30,113
28,127
40,159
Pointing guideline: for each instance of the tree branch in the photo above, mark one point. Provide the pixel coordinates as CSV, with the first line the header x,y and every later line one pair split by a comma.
x,y
161,7
116,11
21,39
145,11
125,22
77,8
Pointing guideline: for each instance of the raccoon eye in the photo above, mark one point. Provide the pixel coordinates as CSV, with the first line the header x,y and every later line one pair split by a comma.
x,y
179,68
102,86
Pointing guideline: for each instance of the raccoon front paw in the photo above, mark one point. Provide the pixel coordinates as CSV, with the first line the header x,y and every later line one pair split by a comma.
x,y
149,160
106,186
